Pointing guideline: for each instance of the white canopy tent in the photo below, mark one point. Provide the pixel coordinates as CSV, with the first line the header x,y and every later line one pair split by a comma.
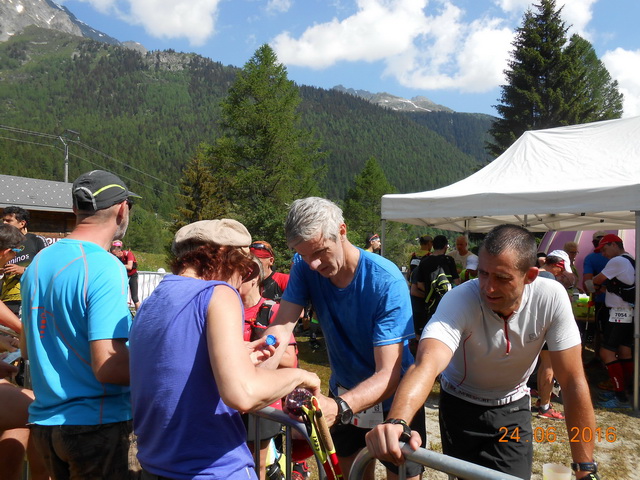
x,y
594,171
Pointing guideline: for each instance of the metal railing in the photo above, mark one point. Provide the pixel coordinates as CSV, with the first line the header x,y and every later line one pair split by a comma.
x,y
454,467
290,425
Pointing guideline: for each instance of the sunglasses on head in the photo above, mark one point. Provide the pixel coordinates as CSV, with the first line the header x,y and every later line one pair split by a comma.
x,y
261,246
17,249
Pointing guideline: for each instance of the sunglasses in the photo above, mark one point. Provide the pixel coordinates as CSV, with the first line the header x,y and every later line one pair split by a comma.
x,y
251,274
261,246
18,249
129,204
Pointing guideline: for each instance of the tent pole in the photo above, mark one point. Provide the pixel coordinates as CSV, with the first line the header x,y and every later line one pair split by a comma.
x,y
383,236
636,320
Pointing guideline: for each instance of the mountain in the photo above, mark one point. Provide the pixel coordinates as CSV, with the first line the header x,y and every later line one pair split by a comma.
x,y
150,110
16,15
392,102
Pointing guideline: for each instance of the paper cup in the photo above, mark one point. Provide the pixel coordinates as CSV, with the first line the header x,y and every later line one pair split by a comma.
x,y
555,471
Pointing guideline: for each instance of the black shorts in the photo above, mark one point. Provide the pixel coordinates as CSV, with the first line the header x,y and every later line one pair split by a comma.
x,y
494,437
349,439
601,316
616,335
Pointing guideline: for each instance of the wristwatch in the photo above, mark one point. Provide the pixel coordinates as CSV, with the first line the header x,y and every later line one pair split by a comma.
x,y
345,414
406,429
585,467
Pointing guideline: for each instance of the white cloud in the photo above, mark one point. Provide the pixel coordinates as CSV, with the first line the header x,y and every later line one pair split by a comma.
x,y
624,66
576,13
439,51
514,6
275,6
378,30
191,19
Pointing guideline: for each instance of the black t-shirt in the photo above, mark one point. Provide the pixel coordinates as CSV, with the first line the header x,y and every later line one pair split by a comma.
x,y
430,264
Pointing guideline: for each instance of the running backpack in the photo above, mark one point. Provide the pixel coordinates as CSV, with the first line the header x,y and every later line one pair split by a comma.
x,y
439,284
623,290
253,328
271,290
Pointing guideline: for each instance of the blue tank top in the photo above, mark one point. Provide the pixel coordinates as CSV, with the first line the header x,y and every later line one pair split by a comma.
x,y
184,429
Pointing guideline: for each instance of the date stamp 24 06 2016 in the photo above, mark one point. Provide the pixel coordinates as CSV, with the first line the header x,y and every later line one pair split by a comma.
x,y
549,435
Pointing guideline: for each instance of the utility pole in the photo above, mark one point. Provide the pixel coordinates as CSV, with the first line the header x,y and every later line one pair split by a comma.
x,y
66,152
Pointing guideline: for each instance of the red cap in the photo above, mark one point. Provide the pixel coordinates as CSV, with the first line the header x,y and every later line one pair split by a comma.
x,y
608,238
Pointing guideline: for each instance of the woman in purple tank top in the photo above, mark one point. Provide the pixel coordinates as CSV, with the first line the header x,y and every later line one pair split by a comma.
x,y
191,371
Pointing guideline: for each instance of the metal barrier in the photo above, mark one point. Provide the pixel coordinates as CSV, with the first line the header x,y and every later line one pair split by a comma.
x,y
147,282
454,467
279,416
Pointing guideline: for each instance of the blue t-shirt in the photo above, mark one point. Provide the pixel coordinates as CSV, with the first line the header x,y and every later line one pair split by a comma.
x,y
373,310
594,263
74,292
184,429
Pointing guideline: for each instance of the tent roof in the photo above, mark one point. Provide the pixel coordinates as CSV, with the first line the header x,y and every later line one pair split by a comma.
x,y
568,178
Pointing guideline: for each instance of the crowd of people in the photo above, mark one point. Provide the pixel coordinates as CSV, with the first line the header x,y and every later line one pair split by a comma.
x,y
164,396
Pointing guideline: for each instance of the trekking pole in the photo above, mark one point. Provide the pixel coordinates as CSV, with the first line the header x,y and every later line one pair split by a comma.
x,y
325,437
299,403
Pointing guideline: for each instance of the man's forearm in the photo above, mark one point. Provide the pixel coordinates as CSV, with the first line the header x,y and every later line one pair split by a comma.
x,y
281,327
413,391
580,421
372,391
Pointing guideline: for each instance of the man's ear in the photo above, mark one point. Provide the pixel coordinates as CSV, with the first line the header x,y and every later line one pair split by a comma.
x,y
122,209
531,275
343,231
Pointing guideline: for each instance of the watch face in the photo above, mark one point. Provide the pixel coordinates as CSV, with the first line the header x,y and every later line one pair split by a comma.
x,y
347,416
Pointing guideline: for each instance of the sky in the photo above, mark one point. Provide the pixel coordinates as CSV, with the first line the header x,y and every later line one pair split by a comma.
x,y
453,52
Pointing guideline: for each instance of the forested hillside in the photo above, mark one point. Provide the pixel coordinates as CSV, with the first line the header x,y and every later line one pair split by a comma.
x,y
151,111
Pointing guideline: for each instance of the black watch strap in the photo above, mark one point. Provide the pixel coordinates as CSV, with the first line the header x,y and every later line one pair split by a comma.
x,y
406,429
585,467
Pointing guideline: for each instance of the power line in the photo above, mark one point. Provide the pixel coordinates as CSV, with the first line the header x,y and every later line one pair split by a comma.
x,y
27,141
87,147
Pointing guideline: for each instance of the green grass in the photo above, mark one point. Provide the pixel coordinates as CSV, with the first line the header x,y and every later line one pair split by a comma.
x,y
151,262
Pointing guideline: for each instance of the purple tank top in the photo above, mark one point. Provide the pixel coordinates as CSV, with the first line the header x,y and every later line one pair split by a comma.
x,y
184,429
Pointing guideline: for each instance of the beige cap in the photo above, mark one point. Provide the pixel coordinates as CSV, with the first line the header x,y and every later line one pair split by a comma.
x,y
599,234
220,232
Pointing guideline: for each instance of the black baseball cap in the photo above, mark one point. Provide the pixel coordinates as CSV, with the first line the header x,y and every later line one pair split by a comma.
x,y
97,190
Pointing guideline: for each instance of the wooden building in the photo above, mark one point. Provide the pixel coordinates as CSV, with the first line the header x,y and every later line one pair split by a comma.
x,y
49,204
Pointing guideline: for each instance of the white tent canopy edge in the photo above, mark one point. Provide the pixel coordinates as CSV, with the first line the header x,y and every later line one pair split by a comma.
x,y
595,170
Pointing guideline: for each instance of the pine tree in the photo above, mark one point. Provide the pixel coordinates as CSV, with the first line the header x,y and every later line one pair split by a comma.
x,y
263,160
363,201
547,85
202,194
595,94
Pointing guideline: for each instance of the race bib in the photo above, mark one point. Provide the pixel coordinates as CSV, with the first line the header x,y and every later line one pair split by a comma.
x,y
368,418
621,315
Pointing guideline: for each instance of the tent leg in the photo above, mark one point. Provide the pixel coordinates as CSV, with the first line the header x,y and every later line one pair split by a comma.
x,y
383,236
636,321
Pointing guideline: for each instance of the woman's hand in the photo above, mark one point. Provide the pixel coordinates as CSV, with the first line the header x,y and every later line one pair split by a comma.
x,y
259,350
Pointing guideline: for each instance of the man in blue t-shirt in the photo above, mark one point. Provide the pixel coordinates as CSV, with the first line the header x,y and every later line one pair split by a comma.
x,y
76,324
593,264
362,302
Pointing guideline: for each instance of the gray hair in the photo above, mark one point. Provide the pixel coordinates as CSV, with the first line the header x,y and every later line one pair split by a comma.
x,y
309,216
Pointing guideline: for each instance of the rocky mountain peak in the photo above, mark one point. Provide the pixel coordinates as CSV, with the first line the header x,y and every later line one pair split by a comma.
x,y
16,15
386,100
